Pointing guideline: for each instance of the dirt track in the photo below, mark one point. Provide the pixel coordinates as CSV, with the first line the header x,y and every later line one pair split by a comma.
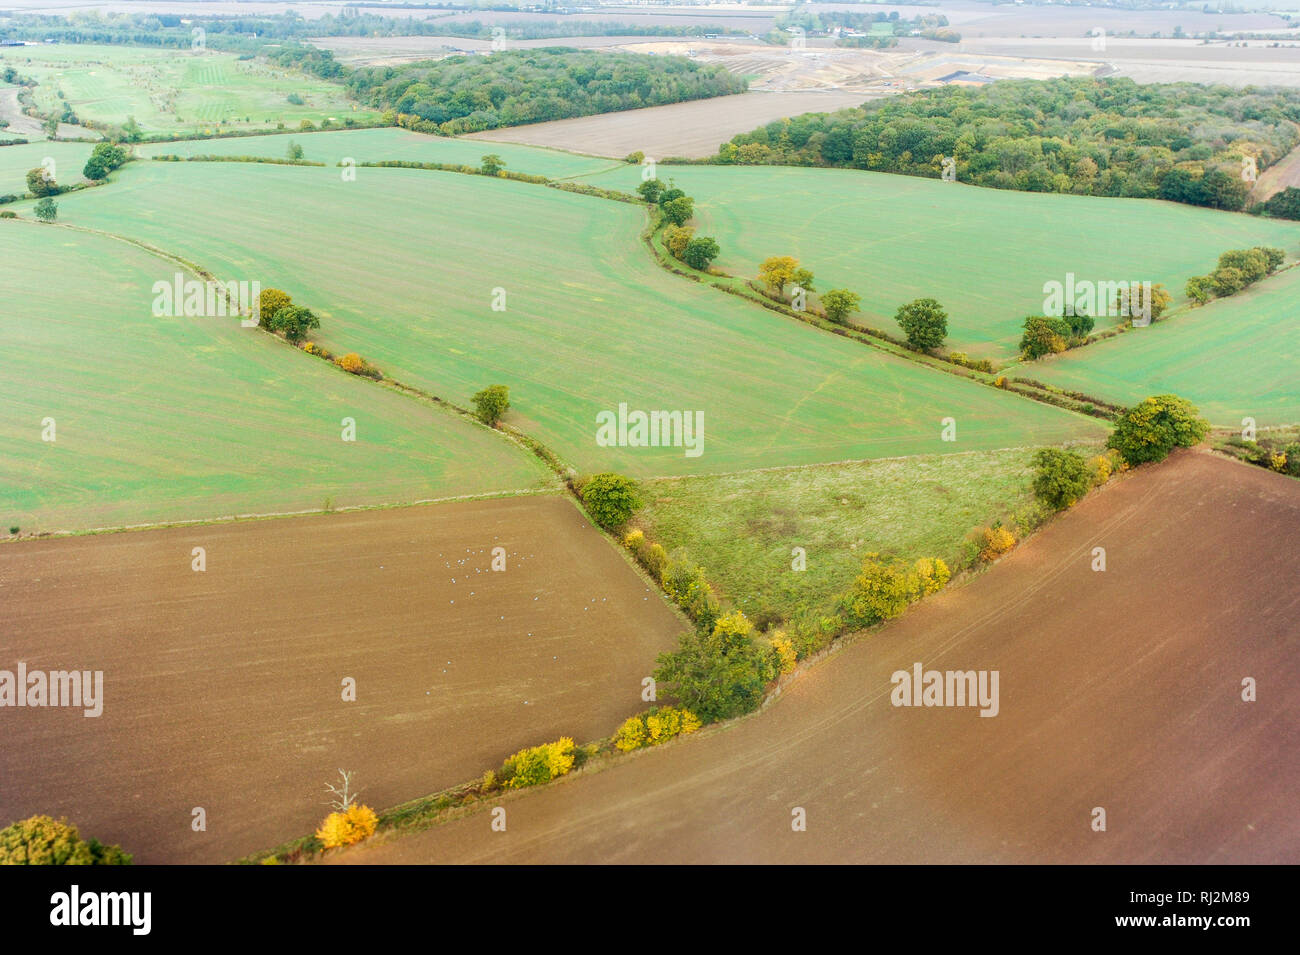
x,y
1118,689
223,688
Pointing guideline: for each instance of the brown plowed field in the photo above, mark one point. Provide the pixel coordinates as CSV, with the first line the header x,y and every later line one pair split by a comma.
x,y
223,688
1119,690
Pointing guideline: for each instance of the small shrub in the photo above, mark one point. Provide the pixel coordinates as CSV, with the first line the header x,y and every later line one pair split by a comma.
x,y
997,541
14,529
1062,478
1101,469
1277,461
656,561
351,362
538,764
786,658
1292,452
349,827
883,589
634,539
631,734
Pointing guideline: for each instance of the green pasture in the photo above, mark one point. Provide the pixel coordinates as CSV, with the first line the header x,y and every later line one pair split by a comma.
x,y
404,266
743,528
377,145
985,254
1234,358
15,161
175,90
161,419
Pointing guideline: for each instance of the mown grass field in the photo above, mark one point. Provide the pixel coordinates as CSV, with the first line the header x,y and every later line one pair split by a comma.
x,y
402,266
175,90
376,145
15,161
160,419
985,254
742,528
1234,358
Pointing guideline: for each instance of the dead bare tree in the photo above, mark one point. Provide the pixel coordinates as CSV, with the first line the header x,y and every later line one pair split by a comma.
x,y
343,794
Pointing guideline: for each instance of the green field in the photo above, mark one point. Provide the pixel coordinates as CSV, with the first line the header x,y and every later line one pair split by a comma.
x,y
1234,358
742,528
175,90
984,253
15,161
160,419
376,145
402,264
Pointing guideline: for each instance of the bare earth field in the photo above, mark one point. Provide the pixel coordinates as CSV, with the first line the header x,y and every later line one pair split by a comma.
x,y
223,688
1154,60
690,130
1119,690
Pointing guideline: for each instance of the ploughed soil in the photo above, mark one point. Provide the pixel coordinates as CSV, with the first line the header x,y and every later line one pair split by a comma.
x,y
1118,689
223,689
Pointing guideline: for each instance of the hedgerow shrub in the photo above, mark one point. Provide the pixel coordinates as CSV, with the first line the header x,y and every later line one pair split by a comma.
x,y
42,840
997,541
655,726
538,764
884,588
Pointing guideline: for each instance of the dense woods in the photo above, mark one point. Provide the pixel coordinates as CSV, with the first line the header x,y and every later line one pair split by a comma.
x,y
1108,137
468,94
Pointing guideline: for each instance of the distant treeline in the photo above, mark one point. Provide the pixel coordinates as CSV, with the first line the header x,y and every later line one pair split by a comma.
x,y
511,88
825,22
244,33
1107,137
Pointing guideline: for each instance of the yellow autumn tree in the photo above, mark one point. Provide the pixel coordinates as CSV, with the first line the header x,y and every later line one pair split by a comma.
x,y
786,657
346,828
778,271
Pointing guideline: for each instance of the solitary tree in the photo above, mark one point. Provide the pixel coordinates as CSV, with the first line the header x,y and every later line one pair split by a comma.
x,y
1062,477
294,321
492,403
1043,335
610,499
839,302
650,190
678,210
677,238
700,253
924,322
491,164
46,209
295,150
778,271
41,183
1151,429
270,301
